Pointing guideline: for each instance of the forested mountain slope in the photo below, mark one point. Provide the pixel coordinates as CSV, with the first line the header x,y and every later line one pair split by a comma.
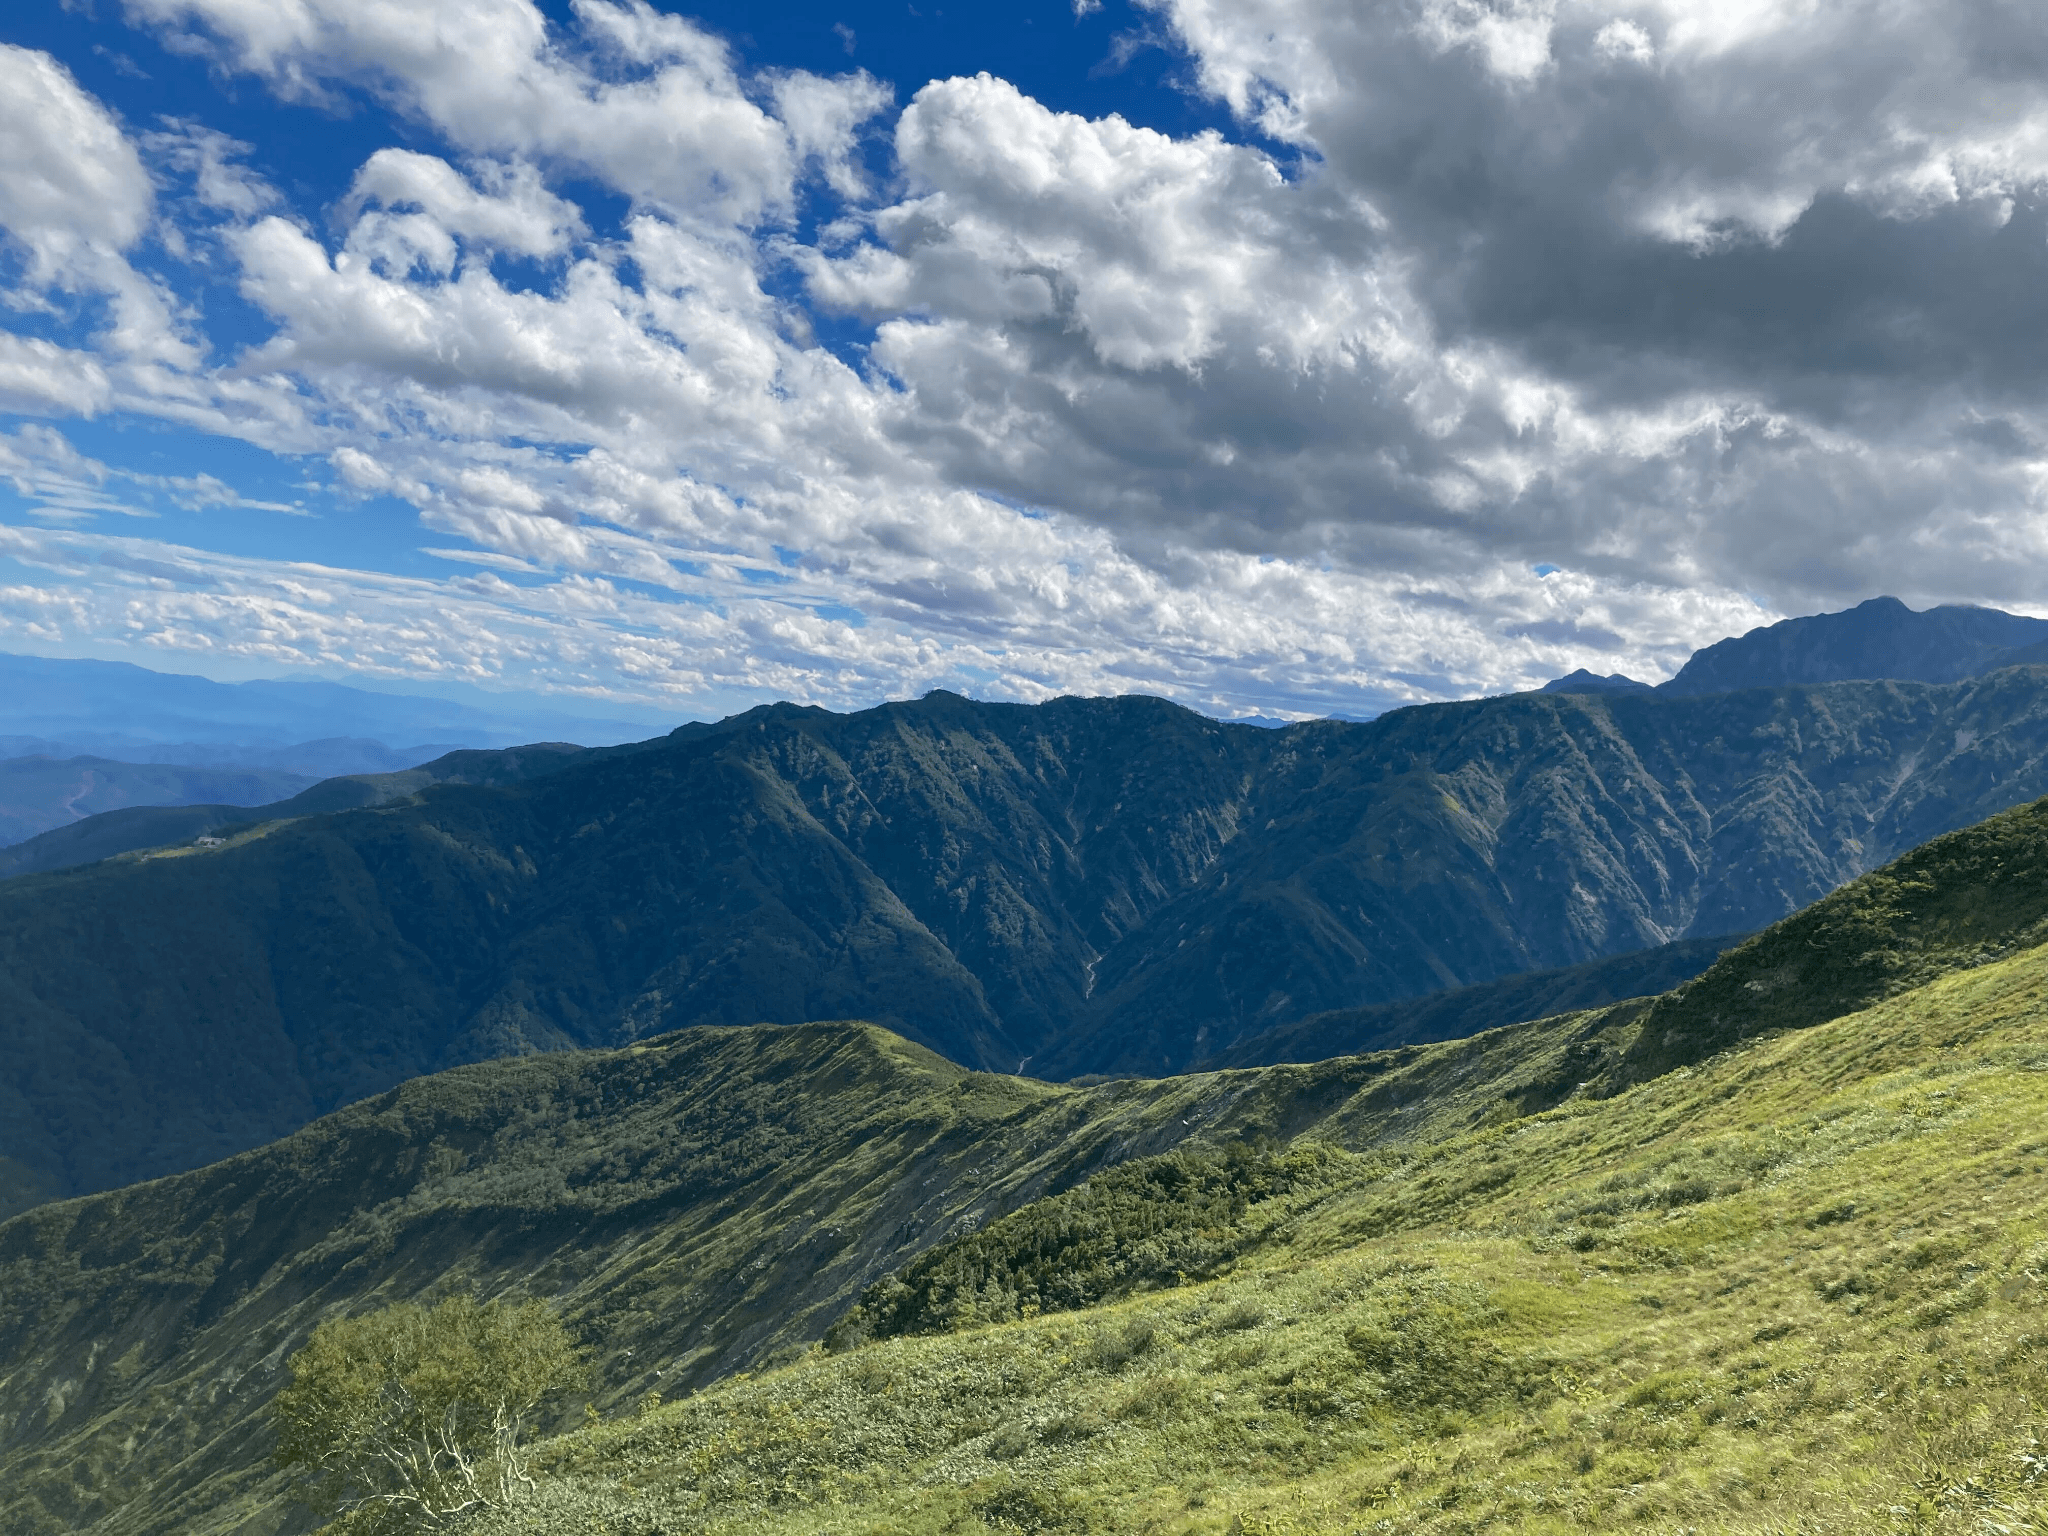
x,y
1081,886
1461,1011
109,834
712,1200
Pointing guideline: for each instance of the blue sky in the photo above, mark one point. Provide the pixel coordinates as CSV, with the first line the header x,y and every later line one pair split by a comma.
x,y
1111,60
1287,357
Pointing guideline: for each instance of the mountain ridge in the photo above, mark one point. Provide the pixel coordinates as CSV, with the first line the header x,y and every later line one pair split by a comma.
x,y
1084,887
40,794
137,829
704,1204
1878,638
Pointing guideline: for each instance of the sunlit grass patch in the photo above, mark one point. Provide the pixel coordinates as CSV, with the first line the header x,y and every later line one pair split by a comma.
x,y
1818,1303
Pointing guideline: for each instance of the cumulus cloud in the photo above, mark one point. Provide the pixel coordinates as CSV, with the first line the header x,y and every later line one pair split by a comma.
x,y
73,193
1691,294
506,209
74,198
649,102
1711,312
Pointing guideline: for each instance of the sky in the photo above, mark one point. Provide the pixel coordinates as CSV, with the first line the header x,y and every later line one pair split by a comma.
x,y
1281,357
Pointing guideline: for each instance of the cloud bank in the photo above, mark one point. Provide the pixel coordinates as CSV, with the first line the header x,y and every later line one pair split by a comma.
x,y
1708,313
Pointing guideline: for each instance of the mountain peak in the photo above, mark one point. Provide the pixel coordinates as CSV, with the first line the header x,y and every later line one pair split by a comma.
x,y
1878,638
1583,681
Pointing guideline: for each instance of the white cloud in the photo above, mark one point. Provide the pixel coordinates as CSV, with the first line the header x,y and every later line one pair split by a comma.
x,y
73,191
40,378
1622,39
651,103
506,209
1150,248
1246,637
74,198
212,159
1257,430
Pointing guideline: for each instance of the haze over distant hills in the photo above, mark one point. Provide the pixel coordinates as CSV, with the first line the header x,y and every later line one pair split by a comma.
x,y
82,737
66,707
38,794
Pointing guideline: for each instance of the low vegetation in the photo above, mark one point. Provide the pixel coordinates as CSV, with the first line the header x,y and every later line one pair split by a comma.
x,y
411,1418
1156,1222
1765,1254
1802,1286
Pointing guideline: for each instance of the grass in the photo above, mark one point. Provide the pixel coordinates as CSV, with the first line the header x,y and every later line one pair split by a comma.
x,y
1797,1287
1761,1254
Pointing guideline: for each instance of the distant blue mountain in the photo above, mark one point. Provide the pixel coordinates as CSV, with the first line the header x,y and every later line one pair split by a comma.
x,y
64,708
1583,681
1881,638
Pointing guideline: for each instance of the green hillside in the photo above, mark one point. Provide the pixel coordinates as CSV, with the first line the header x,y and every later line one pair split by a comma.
x,y
697,1205
1462,1011
1798,1287
1610,1263
1084,887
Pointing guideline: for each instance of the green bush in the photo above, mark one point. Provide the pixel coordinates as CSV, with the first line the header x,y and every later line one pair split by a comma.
x,y
410,1418
1156,1222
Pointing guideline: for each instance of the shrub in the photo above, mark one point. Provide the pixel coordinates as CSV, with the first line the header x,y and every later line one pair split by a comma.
x,y
1033,1511
412,1417
1116,1348
1151,1223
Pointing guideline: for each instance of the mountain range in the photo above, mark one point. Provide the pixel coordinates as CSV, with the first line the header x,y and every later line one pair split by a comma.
x,y
1076,889
1081,887
1604,1163
1811,1156
80,737
125,733
66,707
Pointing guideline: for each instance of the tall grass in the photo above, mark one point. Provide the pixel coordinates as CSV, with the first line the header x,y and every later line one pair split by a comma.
x,y
1797,1287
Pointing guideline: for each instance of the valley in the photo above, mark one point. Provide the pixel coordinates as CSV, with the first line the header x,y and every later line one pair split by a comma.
x,y
1084,887
1579,1271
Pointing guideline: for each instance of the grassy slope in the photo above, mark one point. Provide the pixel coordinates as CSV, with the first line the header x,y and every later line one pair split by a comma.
x,y
711,1200
1799,1286
696,1205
